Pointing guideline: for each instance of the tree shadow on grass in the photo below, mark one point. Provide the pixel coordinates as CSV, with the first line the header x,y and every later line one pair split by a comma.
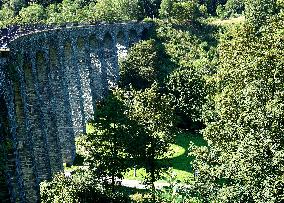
x,y
182,162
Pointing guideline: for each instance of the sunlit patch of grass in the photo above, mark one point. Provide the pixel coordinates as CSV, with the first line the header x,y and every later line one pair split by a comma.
x,y
177,159
174,151
231,21
89,128
138,174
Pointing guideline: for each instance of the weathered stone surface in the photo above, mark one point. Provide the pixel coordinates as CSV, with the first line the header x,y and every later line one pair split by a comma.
x,y
50,81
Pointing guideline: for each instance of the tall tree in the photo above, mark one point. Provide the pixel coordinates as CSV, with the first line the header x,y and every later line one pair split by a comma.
x,y
244,126
257,12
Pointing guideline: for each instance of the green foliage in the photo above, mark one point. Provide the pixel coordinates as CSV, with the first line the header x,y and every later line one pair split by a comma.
x,y
61,189
19,12
258,12
185,45
244,127
118,10
106,146
152,111
234,7
6,16
16,5
184,11
150,7
231,9
174,192
166,6
212,5
186,90
144,65
79,187
130,128
179,10
203,12
34,13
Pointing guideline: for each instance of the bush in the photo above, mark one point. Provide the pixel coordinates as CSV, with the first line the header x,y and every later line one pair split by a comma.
x,y
79,187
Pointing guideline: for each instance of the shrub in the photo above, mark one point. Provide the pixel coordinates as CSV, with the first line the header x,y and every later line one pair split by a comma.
x,y
79,187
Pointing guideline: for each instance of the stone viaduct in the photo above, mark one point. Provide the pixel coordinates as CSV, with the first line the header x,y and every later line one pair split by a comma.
x,y
50,80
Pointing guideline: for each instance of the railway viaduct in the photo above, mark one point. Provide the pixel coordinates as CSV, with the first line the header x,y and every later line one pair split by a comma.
x,y
50,80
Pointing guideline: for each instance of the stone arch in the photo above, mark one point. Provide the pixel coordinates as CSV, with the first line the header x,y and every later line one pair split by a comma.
x,y
96,62
108,44
41,64
111,60
70,75
121,38
47,103
67,52
145,34
83,68
94,42
57,89
54,63
4,136
121,45
133,37
31,112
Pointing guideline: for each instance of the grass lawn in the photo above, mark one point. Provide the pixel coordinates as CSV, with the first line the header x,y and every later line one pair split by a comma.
x,y
178,160
228,22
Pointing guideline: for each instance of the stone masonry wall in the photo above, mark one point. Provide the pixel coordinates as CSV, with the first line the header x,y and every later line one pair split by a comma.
x,y
53,79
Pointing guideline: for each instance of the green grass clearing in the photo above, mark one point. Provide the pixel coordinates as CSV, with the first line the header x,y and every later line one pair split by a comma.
x,y
228,22
177,159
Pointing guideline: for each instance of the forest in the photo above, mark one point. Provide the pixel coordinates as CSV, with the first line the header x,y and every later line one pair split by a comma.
x,y
198,113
